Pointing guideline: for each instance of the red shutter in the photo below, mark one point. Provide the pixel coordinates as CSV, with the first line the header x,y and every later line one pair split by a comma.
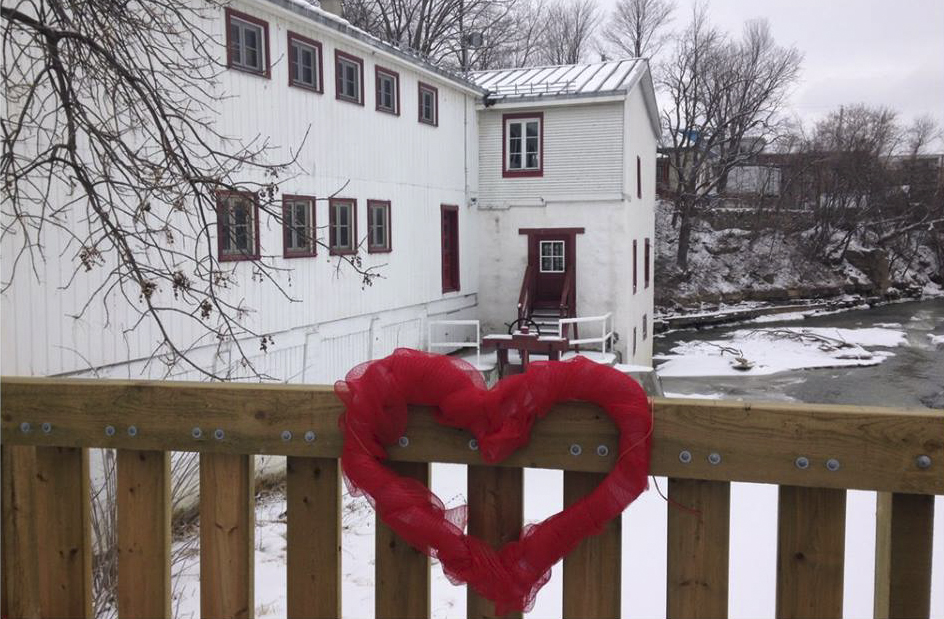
x,y
635,274
638,177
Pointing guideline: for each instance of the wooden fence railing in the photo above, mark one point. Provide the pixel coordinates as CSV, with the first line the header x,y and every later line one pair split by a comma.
x,y
813,452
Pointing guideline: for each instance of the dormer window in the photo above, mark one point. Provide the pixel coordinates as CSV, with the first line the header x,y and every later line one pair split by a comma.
x,y
523,136
349,77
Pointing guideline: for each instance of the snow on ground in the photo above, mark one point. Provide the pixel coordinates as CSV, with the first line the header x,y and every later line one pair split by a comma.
x,y
773,350
936,340
752,555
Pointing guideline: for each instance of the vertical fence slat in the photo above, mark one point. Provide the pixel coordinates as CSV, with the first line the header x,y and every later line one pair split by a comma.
x,y
63,531
227,519
144,535
698,540
20,560
592,570
903,533
314,537
811,541
402,573
496,513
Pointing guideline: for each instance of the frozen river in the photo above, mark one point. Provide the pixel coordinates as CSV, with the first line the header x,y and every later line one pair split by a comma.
x,y
908,377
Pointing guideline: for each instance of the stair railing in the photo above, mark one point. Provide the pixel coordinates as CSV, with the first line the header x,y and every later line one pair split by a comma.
x,y
526,296
568,302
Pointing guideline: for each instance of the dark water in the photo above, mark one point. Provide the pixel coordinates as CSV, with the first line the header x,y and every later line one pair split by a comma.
x,y
912,378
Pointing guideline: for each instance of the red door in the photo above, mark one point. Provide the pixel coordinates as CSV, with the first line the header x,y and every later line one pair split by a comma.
x,y
450,248
551,255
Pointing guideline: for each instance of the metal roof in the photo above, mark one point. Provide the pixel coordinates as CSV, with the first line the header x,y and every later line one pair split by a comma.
x,y
556,81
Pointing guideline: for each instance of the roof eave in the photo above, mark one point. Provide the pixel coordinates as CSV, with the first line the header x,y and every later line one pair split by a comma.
x,y
553,99
344,28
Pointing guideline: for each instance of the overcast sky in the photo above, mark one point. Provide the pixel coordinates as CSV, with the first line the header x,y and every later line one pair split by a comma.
x,y
870,51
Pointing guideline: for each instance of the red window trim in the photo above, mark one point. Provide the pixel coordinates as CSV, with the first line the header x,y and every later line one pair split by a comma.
x,y
378,71
647,262
294,36
635,268
506,173
230,13
374,249
331,248
220,204
443,208
420,87
296,253
638,177
339,55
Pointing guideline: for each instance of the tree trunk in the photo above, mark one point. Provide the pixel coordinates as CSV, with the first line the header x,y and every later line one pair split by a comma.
x,y
685,235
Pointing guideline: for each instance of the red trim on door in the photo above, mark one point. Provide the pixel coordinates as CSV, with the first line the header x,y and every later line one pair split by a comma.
x,y
450,250
506,173
551,230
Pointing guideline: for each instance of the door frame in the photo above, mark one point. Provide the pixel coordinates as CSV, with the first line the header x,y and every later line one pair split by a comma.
x,y
570,246
453,209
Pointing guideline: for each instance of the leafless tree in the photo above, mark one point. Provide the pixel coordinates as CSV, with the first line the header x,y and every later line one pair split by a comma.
x,y
569,31
638,28
515,40
922,132
434,28
111,142
725,103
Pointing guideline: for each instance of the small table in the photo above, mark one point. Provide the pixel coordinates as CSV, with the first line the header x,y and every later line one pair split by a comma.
x,y
525,343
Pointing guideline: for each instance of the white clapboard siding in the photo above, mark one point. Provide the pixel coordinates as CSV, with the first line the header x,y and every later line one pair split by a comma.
x,y
372,155
583,155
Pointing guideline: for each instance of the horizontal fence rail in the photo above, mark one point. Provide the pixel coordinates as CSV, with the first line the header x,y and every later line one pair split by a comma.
x,y
823,446
813,452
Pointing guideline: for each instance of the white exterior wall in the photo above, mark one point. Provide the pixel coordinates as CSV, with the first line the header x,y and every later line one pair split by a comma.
x,y
589,181
640,141
583,155
334,323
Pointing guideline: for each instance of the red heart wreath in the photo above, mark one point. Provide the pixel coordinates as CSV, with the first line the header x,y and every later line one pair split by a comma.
x,y
376,395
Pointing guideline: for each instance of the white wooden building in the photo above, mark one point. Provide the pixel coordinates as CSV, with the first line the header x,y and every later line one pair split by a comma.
x,y
577,204
427,196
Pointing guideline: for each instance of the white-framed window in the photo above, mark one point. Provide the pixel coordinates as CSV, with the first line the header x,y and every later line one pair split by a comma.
x,y
523,152
428,104
248,43
349,77
552,256
342,225
378,226
298,225
388,91
304,62
237,226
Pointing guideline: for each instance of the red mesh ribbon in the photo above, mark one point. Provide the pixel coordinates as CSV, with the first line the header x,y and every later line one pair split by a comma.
x,y
376,395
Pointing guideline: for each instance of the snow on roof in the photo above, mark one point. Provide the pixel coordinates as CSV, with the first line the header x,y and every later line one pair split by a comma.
x,y
563,80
